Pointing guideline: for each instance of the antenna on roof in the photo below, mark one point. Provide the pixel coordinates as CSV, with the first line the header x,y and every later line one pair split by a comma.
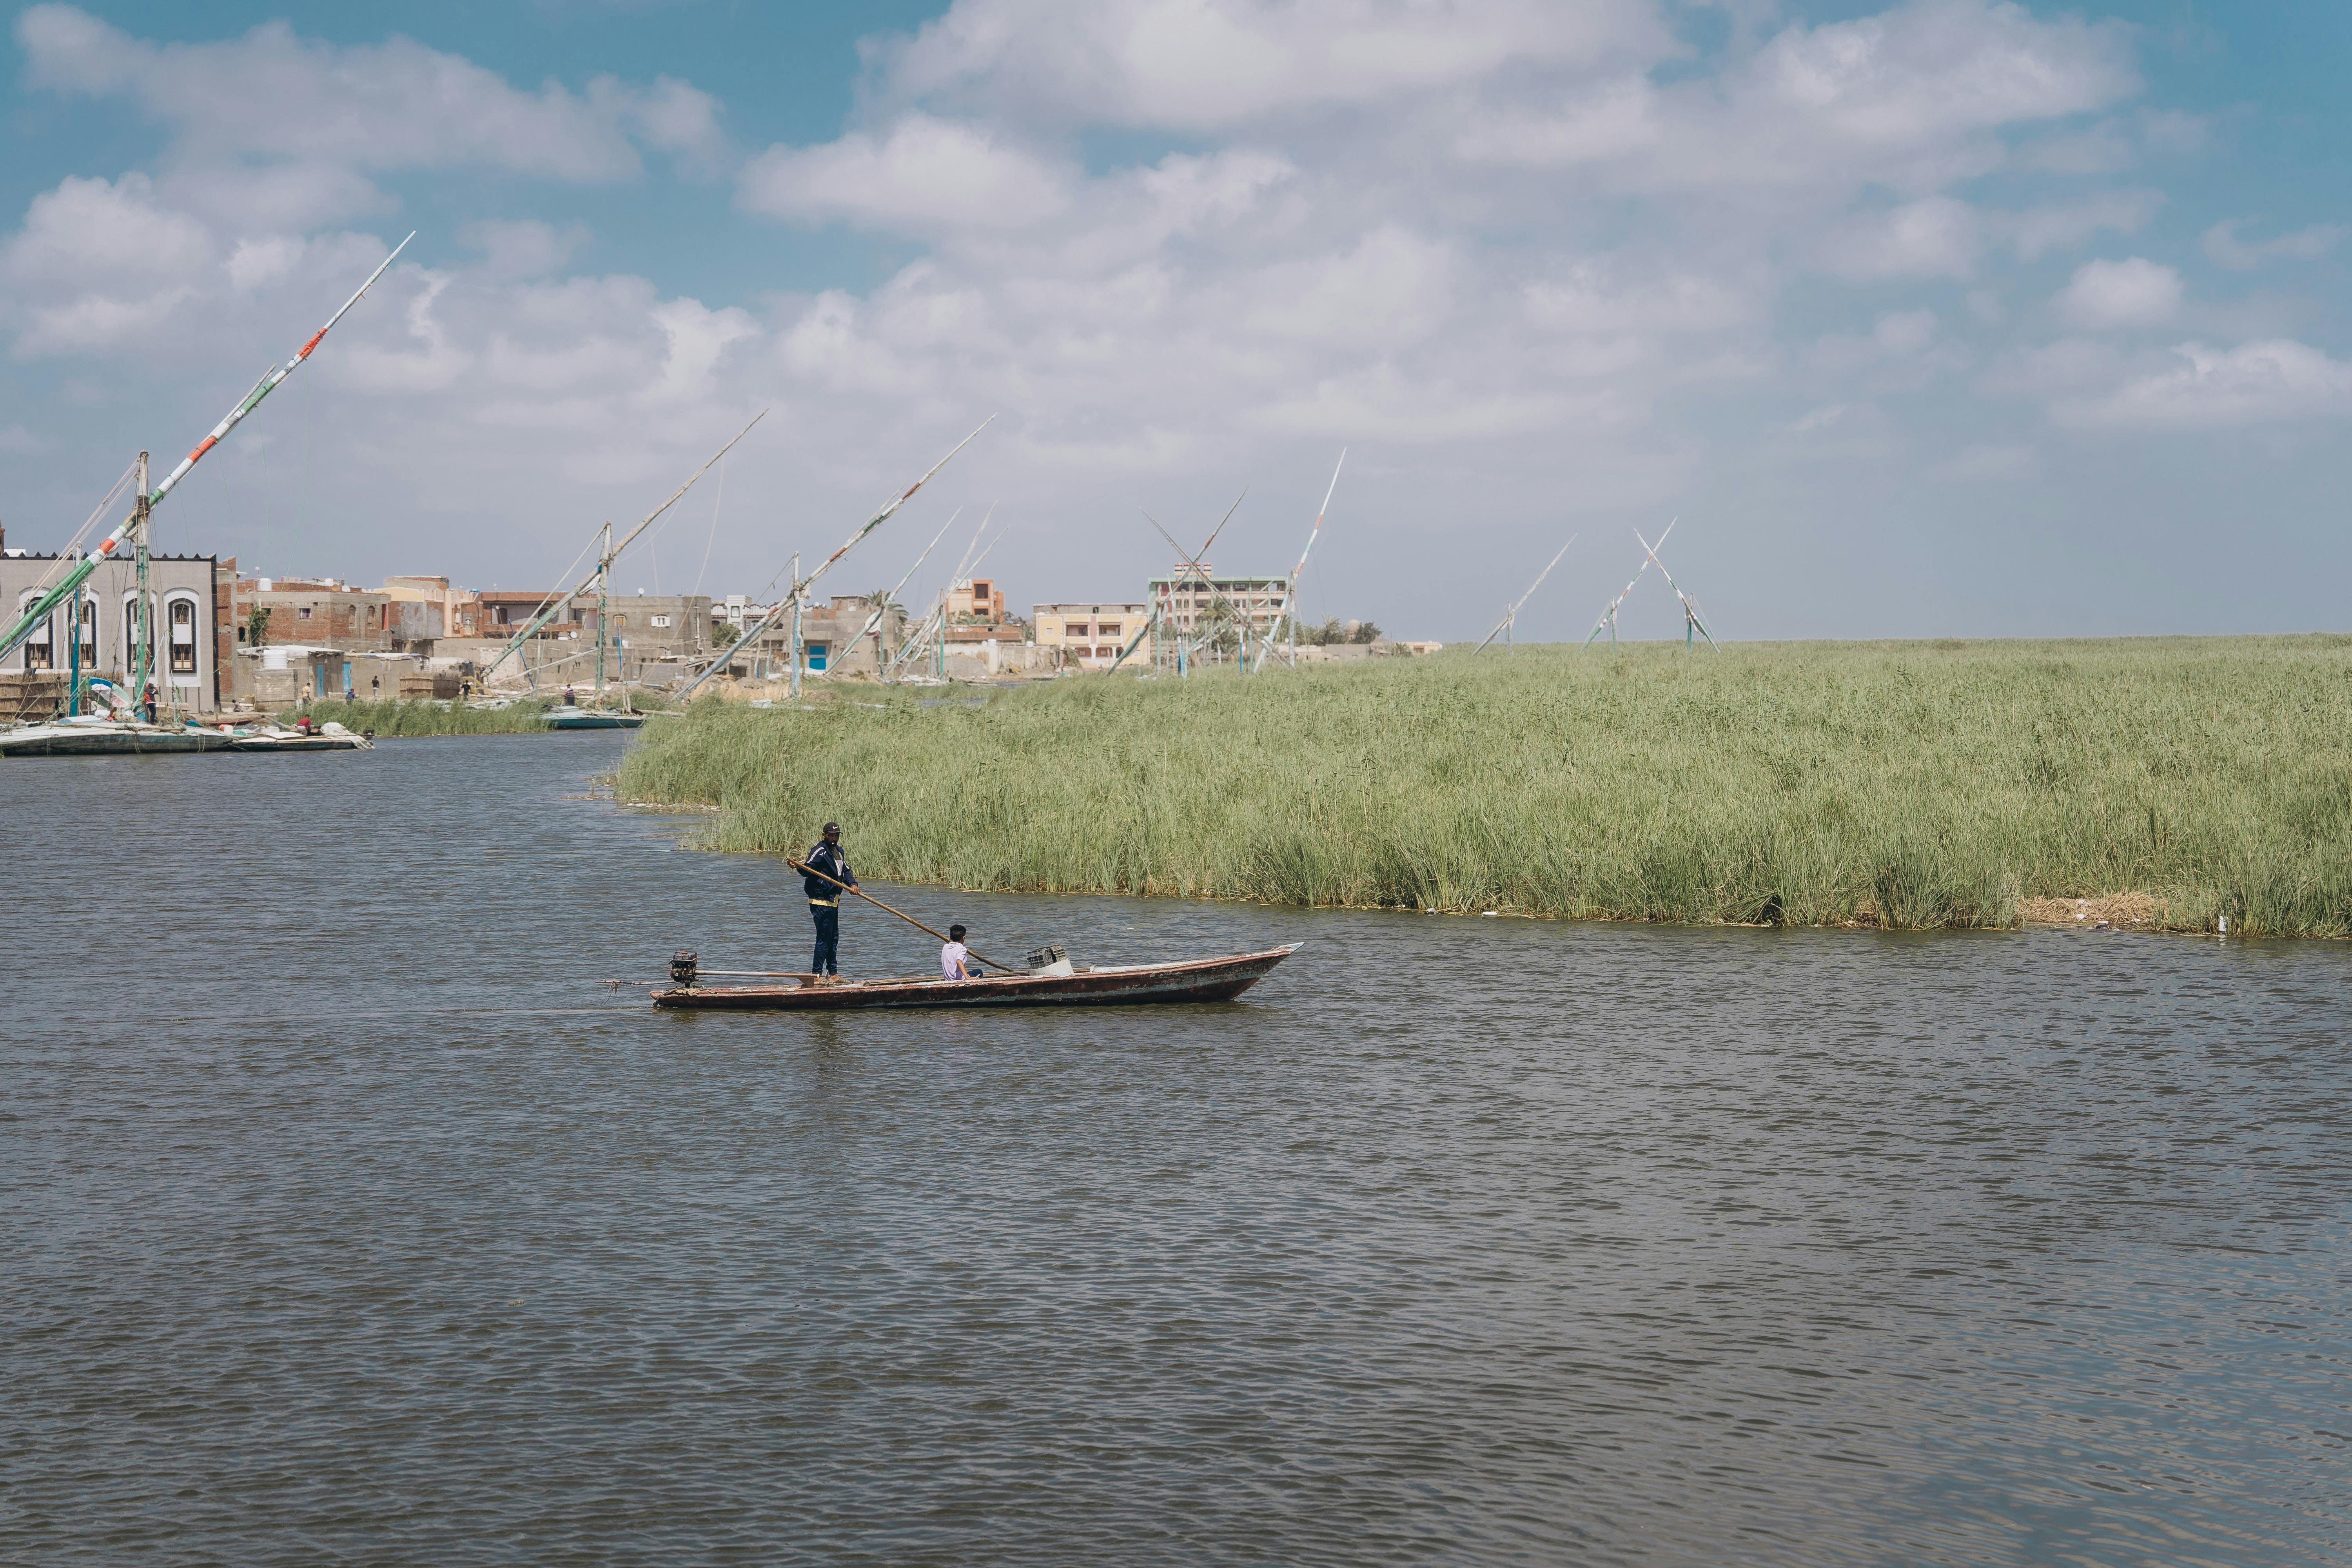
x,y
1511,611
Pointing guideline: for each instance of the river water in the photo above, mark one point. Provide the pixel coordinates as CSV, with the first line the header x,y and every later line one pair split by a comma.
x,y
345,1215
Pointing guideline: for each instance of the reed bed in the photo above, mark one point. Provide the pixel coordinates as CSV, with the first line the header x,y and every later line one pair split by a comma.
x,y
430,718
1898,784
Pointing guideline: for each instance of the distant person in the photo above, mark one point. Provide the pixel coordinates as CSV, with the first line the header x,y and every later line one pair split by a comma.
x,y
824,897
147,702
956,961
570,700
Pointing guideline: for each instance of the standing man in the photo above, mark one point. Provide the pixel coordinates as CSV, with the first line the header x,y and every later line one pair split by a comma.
x,y
824,898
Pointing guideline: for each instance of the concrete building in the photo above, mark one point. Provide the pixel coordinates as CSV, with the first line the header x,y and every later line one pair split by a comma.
x,y
1091,635
647,629
975,599
185,598
425,609
826,639
1188,603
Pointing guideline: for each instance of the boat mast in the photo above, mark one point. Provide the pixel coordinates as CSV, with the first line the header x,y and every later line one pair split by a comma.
x,y
604,598
140,511
794,676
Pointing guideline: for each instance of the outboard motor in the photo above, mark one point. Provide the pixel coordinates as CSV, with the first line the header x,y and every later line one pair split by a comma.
x,y
1051,959
681,968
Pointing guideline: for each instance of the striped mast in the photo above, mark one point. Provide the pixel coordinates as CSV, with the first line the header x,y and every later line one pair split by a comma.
x,y
1190,567
891,597
801,584
1290,589
1511,615
936,617
1607,621
23,626
1690,610
939,623
554,602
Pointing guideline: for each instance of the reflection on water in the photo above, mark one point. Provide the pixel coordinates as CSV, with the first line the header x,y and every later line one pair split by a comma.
x,y
350,1218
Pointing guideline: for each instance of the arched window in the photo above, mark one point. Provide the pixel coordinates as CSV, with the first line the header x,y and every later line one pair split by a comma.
x,y
88,632
180,635
40,652
131,632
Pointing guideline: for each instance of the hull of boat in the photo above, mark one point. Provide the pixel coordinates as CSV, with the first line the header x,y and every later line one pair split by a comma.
x,y
66,740
300,743
594,720
1198,980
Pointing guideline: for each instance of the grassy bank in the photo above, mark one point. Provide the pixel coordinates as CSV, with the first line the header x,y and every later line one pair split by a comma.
x,y
1909,784
430,718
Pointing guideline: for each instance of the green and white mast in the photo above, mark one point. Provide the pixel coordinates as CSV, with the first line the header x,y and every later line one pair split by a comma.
x,y
22,628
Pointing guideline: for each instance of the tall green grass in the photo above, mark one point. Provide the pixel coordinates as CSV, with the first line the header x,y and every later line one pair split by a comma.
x,y
426,718
1912,784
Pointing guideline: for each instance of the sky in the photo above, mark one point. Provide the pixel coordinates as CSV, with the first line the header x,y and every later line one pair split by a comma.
x,y
1952,318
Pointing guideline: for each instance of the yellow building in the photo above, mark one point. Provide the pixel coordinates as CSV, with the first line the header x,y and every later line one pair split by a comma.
x,y
975,599
1091,635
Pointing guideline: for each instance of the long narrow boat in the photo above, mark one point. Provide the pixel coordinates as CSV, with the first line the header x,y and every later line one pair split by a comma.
x,y
1119,984
567,717
94,737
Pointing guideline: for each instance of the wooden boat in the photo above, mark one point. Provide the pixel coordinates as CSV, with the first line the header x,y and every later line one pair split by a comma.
x,y
565,717
98,737
1104,985
329,737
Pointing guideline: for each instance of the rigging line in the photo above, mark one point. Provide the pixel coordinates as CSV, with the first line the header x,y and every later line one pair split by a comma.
x,y
65,556
707,543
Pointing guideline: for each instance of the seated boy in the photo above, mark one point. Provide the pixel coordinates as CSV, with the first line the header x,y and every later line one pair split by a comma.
x,y
955,963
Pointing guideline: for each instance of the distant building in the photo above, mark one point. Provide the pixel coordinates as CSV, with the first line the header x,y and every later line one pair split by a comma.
x,y
830,640
185,597
648,628
425,609
975,599
322,612
1091,635
1191,601
505,611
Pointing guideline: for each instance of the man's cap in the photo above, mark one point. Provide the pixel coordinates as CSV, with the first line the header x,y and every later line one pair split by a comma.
x,y
833,827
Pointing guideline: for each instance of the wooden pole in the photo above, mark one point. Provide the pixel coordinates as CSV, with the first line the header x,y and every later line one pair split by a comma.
x,y
809,870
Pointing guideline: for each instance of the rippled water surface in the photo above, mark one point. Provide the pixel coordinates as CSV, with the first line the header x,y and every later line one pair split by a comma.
x,y
345,1217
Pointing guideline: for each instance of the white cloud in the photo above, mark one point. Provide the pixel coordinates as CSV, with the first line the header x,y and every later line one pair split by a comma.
x,y
1393,287
2224,248
1912,99
257,262
1934,237
2064,226
1202,65
2272,383
924,176
385,106
97,263
1383,403
2136,292
1988,462
1602,295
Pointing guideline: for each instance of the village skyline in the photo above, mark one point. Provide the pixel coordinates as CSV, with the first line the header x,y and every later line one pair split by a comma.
x,y
1922,318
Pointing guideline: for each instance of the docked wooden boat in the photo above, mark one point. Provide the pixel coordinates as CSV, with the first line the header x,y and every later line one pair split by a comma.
x,y
566,716
328,737
101,737
1103,985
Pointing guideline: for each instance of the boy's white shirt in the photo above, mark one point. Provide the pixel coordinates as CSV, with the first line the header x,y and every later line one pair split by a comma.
x,y
951,959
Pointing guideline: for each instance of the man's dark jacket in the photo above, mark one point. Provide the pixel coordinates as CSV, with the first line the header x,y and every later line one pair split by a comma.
x,y
829,860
